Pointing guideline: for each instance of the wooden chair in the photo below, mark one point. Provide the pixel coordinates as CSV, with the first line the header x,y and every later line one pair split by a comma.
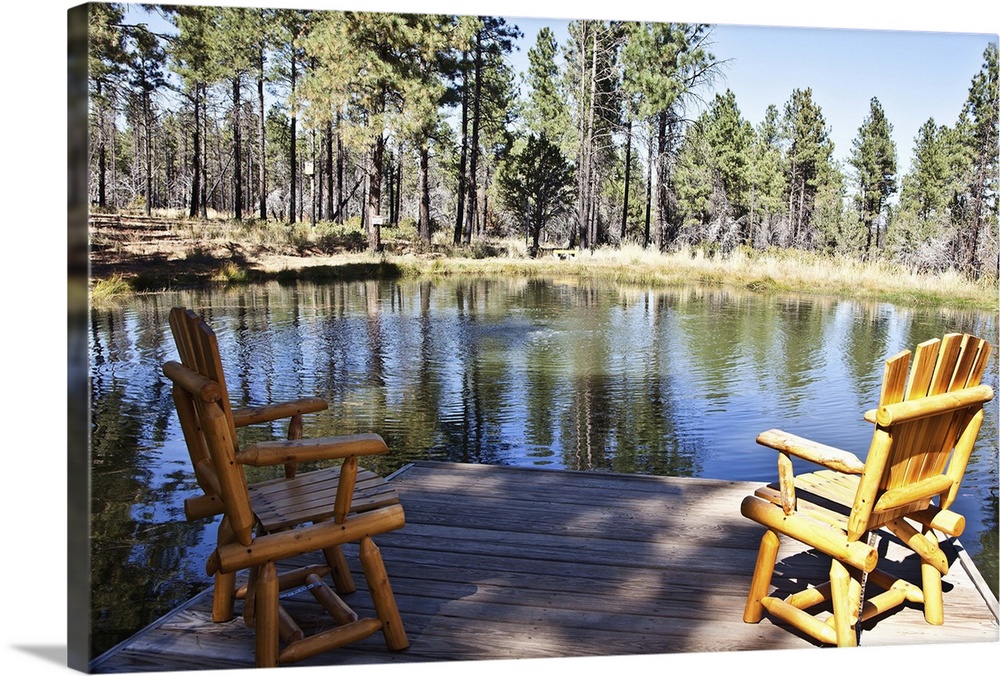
x,y
271,521
925,428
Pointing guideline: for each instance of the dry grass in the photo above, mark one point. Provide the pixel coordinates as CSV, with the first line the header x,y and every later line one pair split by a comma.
x,y
108,292
774,271
304,251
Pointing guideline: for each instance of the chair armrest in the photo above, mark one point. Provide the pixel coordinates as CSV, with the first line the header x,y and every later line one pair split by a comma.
x,y
827,456
303,450
270,412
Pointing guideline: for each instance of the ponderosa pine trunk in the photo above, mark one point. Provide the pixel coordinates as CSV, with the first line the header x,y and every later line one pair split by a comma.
x,y
472,185
463,158
628,176
425,194
196,163
262,141
237,151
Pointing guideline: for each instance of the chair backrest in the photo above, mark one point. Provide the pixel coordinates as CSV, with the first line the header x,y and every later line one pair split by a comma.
x,y
206,418
920,449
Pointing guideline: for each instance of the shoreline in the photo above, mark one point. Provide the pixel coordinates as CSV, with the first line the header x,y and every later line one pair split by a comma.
x,y
142,262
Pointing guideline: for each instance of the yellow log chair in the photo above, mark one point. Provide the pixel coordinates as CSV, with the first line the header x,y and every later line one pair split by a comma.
x,y
929,413
267,522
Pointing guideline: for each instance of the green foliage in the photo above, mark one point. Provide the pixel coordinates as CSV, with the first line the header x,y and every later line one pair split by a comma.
x,y
976,202
694,180
925,190
107,53
536,183
874,160
768,183
808,161
664,62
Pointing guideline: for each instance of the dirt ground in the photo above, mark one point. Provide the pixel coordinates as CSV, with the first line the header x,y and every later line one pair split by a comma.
x,y
153,251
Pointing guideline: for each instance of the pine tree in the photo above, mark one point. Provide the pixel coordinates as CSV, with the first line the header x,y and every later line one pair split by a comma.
x,y
731,138
926,190
767,179
874,160
976,212
194,64
106,67
808,157
491,42
536,183
546,113
146,75
665,64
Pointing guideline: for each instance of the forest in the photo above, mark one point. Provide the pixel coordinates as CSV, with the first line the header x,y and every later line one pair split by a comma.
x,y
418,123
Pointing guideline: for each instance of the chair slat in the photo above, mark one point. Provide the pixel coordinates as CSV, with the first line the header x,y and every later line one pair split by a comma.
x,y
894,379
979,367
921,373
966,359
922,370
951,348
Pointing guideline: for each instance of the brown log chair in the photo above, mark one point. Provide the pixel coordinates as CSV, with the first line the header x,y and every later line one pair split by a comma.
x,y
267,522
925,428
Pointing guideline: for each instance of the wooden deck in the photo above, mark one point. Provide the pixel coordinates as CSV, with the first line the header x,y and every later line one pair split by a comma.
x,y
500,563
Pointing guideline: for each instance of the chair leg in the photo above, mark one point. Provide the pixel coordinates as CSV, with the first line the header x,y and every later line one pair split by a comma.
x,y
843,613
762,572
223,596
382,596
224,592
250,601
933,601
267,617
339,570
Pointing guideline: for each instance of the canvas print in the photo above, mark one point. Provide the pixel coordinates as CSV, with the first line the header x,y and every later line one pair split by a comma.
x,y
413,338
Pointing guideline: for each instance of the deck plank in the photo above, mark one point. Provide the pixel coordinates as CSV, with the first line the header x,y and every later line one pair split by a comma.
x,y
498,563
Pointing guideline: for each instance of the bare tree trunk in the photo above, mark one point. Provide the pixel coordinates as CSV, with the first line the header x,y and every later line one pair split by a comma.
x,y
292,161
196,164
102,200
204,160
628,177
375,195
148,147
237,150
581,187
471,217
802,211
399,185
262,142
649,187
339,214
425,194
588,220
460,215
661,182
329,171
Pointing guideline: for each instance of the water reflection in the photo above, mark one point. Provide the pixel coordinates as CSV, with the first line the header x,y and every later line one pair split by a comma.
x,y
576,375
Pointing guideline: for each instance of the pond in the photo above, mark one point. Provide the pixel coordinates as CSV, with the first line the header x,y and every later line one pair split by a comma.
x,y
582,375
